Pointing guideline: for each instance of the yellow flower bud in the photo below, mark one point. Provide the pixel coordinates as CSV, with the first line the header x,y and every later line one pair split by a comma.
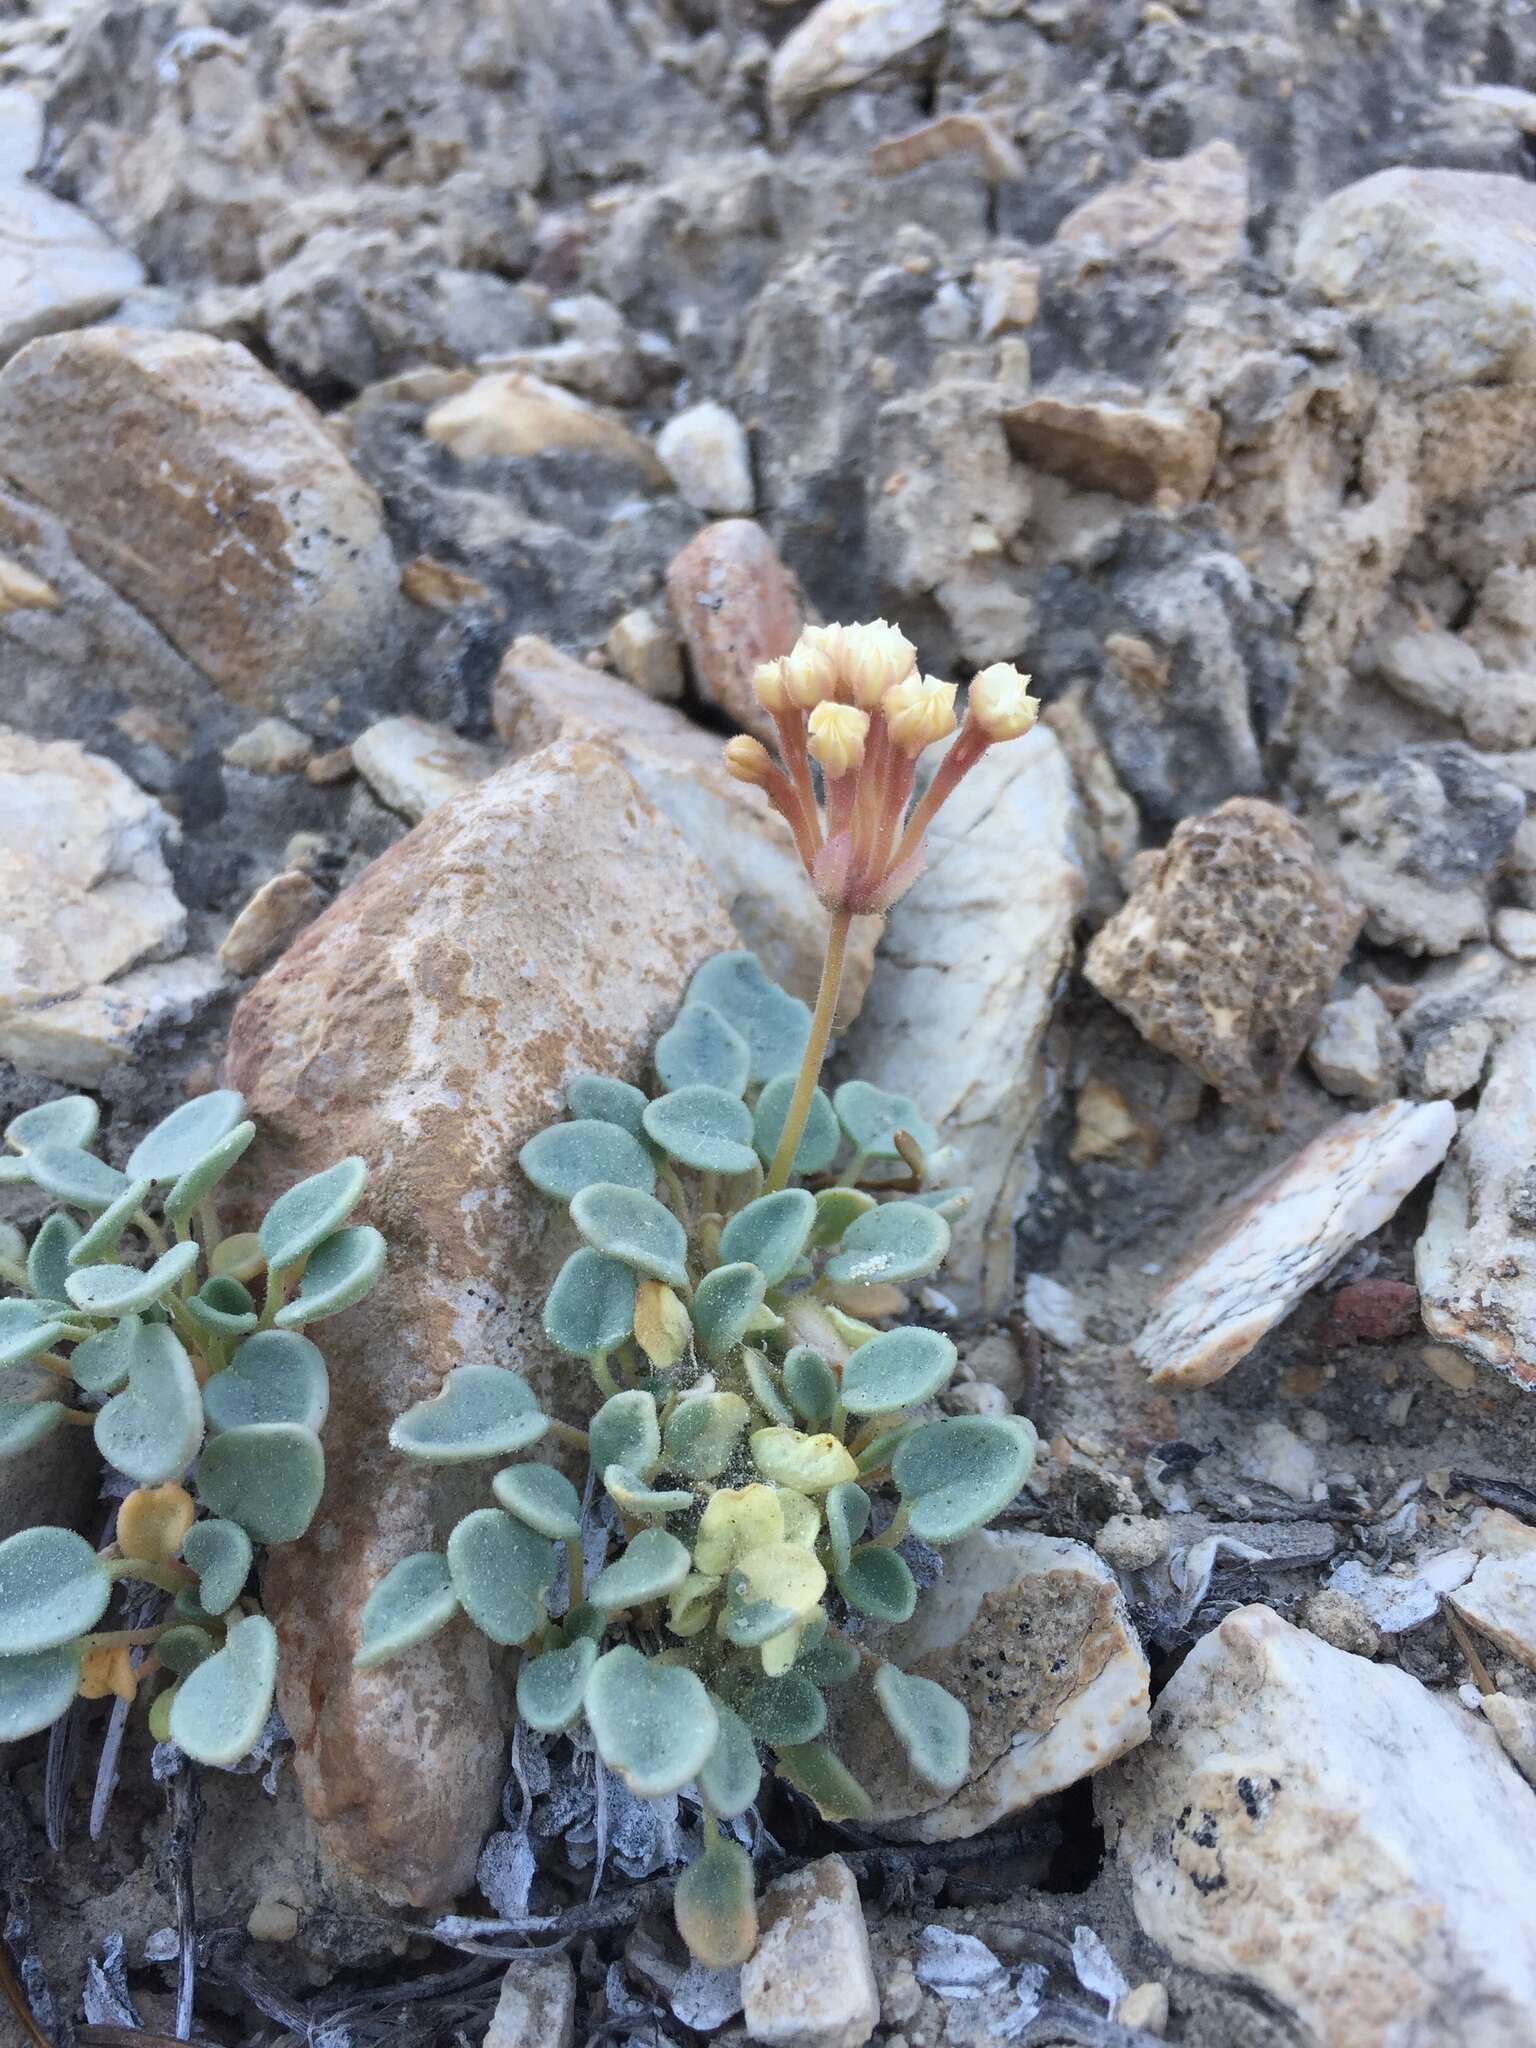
x,y
108,1674
152,1522
804,1464
662,1327
748,760
769,681
810,673
918,712
837,735
874,658
1000,702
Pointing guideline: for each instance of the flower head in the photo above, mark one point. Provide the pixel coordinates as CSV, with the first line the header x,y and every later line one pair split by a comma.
x,y
772,685
837,736
748,760
1000,703
810,674
873,659
918,712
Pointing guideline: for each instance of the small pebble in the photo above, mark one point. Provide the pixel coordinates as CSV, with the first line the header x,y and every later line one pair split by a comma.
x,y
1132,1542
1145,2007
271,747
1340,1619
335,766
273,1918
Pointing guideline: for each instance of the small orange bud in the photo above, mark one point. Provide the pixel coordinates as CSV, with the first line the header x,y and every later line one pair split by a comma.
x,y
748,760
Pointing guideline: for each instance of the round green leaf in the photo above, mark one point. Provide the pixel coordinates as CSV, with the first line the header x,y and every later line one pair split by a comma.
x,y
848,1511
703,1432
724,1305
205,1175
591,1307
25,1331
750,1623
609,1101
828,1661
71,1120
878,1583
871,1117
122,1290
702,1127
100,1365
825,1780
550,1686
339,1271
836,1208
569,1157
220,1554
53,1587
481,1411
76,1177
634,1497
810,1384
24,1424
501,1570
783,1710
898,1241
715,1906
413,1600
635,1229
151,1430
625,1431
770,1233
222,1307
267,1476
957,1474
819,1140
13,1247
49,1262
929,1723
775,1025
300,1219
542,1497
35,1690
653,1723
187,1135
731,1775
182,1649
274,1376
897,1370
701,1049
652,1566
219,1712
765,1391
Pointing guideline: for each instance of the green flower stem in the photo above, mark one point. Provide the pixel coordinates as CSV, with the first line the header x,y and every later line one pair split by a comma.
x,y
890,1536
80,1417
53,1361
568,1433
815,1051
852,1173
676,1193
606,1383
208,1226
151,1230
277,1288
169,1578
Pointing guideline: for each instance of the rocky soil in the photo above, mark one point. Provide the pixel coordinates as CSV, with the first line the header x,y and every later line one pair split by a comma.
x,y
414,423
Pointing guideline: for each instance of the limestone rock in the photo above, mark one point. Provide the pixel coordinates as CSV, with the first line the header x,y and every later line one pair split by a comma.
x,y
1476,1260
276,913
1513,1720
1032,1635
57,268
958,1014
1163,452
1330,1832
512,413
79,1037
210,497
973,135
1443,672
1225,953
1356,1050
735,605
1190,212
811,1983
1515,931
537,2006
1438,266
430,1021
1499,1600
843,42
1286,1234
644,649
706,454
413,766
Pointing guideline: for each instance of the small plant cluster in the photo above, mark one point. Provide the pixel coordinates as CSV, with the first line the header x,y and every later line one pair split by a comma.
x,y
208,1404
763,1447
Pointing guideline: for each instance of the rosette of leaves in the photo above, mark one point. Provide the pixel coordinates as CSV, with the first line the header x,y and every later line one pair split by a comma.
x,y
763,1445
187,1354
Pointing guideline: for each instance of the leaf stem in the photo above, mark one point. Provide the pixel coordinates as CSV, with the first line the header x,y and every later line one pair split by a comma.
x,y
815,1051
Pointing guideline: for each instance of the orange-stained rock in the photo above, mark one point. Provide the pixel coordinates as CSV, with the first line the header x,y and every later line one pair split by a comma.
x,y
735,605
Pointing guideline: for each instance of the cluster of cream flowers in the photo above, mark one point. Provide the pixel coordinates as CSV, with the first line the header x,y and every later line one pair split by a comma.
x,y
851,699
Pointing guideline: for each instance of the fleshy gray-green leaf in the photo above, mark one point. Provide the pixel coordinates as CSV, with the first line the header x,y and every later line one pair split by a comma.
x,y
635,1229
847,1511
625,1431
340,1270
100,1365
637,1498
810,1384
202,1177
608,1100
566,1158
53,1587
819,1140
48,1263
76,1177
706,1128
783,1710
957,1474
222,1307
187,1135
274,1376
731,1775
702,1433
828,1661
220,1554
219,1712
877,1582
872,1117
307,1214
897,1369
653,1565
182,1649
481,1411
152,1429
930,1724
898,1241
947,1202
268,1477
550,1686
653,1723
24,1424
826,1781
122,1290
774,1024
770,1233
413,1600
765,1389
715,1906
750,1623
35,1690
702,1047
542,1497
591,1307
501,1570
724,1305
836,1208
70,1120
101,1240
25,1331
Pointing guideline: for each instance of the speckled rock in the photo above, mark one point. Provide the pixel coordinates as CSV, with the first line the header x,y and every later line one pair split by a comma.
x,y
1224,956
429,1021
1162,452
413,766
811,1983
1189,212
735,605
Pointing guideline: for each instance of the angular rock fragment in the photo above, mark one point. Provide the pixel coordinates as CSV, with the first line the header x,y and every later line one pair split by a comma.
x,y
413,766
1499,1600
1356,1050
705,451
1163,451
735,605
811,1983
57,268
844,42
537,2006
512,413
276,913
1190,212
1286,1234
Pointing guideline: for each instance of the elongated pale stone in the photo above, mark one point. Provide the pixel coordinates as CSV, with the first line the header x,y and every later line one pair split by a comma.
x,y
811,1983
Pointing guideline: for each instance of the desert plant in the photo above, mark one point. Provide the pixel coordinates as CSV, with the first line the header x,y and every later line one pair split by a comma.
x,y
143,1315
764,1448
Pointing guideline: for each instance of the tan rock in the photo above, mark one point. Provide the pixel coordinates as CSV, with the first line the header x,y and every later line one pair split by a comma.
x,y
57,268
645,651
512,413
413,766
1190,212
951,135
545,924
79,1038
537,2006
1107,1127
1227,950
842,42
276,913
335,765
1010,294
270,747
705,451
1163,451
210,497
735,605
811,1983
439,586
21,591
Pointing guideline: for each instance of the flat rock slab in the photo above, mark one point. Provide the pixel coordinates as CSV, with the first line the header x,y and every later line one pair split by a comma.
x,y
57,268
1329,1831
542,926
1286,1234
1500,1602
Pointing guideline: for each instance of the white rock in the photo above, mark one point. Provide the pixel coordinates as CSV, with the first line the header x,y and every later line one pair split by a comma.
x,y
1053,1310
1515,931
270,747
1396,1604
706,452
57,268
1132,1542
843,42
1449,1063
646,652
1500,1601
1327,1830
276,913
1285,1235
413,766
811,1983
1513,1720
1189,212
1492,1532
537,2006
1145,2007
957,1016
1280,1458
1356,1051
1032,1634
1475,1262
77,1038
511,413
